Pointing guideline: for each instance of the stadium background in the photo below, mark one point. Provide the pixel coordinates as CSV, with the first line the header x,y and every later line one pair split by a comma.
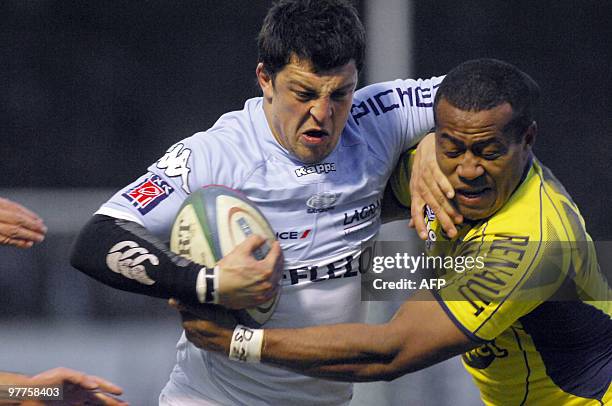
x,y
93,92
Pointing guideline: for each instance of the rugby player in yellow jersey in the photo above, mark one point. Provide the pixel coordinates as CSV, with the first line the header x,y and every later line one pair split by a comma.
x,y
533,324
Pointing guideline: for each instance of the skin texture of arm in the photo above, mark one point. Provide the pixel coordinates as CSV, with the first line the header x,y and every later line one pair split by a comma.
x,y
420,334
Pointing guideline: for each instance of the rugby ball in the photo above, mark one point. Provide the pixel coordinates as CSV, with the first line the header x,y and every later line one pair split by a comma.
x,y
209,224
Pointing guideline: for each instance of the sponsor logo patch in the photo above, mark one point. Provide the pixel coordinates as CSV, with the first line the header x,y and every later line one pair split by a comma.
x,y
362,217
148,193
129,259
483,356
293,235
175,163
325,167
322,202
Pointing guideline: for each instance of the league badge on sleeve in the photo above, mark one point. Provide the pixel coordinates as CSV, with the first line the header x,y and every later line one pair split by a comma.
x,y
148,193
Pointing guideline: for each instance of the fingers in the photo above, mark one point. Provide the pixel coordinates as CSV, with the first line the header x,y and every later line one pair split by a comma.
x,y
274,261
417,218
105,385
19,226
429,186
252,242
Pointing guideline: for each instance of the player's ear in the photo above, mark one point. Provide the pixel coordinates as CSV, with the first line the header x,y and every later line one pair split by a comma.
x,y
530,134
265,81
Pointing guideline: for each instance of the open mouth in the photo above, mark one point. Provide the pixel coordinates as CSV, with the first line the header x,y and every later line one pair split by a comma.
x,y
472,195
315,136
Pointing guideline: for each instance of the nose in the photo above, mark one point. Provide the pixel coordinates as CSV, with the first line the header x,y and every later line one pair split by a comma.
x,y
321,109
469,168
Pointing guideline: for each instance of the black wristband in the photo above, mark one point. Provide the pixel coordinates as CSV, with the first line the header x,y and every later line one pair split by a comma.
x,y
210,285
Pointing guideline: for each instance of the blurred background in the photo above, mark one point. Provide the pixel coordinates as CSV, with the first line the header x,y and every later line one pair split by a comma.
x,y
92,92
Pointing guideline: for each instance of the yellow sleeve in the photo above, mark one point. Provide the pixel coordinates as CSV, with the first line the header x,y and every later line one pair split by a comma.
x,y
400,179
515,277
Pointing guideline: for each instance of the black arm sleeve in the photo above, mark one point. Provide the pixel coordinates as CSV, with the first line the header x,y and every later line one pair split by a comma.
x,y
126,256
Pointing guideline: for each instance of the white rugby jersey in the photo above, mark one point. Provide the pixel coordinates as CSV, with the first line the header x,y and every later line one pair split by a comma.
x,y
320,212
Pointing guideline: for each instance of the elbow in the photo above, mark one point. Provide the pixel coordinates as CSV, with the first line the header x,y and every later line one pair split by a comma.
x,y
79,249
85,249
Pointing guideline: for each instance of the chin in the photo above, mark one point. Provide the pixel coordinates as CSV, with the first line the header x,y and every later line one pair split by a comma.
x,y
473,214
313,157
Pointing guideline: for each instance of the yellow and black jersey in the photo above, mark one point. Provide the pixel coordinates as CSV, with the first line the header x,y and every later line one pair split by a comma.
x,y
536,299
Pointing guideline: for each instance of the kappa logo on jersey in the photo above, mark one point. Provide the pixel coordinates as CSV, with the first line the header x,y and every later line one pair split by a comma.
x,y
293,235
359,218
483,356
127,258
325,167
149,193
175,163
322,202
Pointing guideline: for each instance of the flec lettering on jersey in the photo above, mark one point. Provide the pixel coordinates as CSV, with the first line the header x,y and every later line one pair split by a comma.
x,y
381,102
127,258
483,356
343,268
293,235
360,216
324,167
322,202
175,163
148,194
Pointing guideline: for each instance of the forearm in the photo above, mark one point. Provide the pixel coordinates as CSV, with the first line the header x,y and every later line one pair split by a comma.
x,y
10,379
347,352
126,256
419,335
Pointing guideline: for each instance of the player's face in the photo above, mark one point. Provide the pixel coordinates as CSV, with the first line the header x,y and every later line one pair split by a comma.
x,y
307,111
483,164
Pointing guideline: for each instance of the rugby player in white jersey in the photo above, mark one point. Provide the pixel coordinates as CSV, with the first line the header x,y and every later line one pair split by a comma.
x,y
315,155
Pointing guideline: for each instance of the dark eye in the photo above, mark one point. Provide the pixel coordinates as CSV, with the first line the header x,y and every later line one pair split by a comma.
x,y
339,95
453,153
490,155
304,96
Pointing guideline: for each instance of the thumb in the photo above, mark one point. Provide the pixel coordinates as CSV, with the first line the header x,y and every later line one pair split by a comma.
x,y
253,242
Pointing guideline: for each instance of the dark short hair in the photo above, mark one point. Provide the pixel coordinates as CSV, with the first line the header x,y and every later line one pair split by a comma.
x,y
326,32
482,84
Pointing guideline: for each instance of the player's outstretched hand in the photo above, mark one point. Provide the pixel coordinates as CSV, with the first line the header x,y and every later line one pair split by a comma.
x,y
78,388
429,186
208,327
19,226
246,282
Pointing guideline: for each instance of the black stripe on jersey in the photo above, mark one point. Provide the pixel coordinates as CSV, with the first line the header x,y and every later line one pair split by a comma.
x,y
452,317
518,341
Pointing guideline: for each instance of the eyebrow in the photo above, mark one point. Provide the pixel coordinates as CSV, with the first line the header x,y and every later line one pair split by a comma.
x,y
477,144
453,140
294,82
